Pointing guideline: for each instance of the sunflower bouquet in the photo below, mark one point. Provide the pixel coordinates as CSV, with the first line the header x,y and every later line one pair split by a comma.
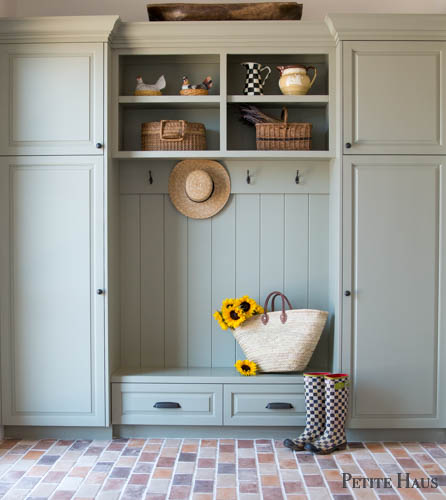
x,y
234,312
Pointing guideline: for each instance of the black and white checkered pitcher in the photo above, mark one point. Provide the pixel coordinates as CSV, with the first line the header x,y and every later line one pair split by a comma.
x,y
253,83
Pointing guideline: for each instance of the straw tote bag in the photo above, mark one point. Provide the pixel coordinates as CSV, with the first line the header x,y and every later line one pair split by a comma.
x,y
281,341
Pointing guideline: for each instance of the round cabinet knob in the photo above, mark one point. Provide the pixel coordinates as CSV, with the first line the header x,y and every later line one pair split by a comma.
x,y
99,145
348,145
99,291
347,293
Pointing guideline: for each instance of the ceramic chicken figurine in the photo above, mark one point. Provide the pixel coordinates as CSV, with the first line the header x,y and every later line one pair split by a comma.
x,y
199,89
149,89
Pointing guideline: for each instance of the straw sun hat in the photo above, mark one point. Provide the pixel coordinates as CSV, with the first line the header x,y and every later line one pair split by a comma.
x,y
199,188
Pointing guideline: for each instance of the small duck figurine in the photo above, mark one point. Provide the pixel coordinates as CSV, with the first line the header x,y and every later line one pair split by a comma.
x,y
150,89
199,89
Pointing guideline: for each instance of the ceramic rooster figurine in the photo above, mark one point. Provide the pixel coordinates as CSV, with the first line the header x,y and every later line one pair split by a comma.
x,y
150,89
199,89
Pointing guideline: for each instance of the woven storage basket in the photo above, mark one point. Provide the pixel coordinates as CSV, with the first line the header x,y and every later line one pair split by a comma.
x,y
283,136
173,135
194,92
281,341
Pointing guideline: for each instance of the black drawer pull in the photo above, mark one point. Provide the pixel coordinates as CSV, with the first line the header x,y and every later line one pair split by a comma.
x,y
166,404
279,406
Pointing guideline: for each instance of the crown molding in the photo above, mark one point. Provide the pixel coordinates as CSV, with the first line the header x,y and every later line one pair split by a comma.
x,y
218,34
387,26
57,29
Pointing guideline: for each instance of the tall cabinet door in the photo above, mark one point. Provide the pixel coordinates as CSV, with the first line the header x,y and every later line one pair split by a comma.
x,y
52,99
52,263
394,95
394,266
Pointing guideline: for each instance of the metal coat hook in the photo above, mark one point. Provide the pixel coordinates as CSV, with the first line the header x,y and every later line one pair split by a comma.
x,y
248,177
150,178
297,179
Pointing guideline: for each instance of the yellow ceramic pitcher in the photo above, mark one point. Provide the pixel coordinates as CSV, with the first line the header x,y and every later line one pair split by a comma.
x,y
294,79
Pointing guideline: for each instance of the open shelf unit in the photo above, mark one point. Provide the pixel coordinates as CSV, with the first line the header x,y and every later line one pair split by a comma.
x,y
227,136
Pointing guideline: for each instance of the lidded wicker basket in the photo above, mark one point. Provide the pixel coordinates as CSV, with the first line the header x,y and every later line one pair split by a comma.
x,y
173,135
283,136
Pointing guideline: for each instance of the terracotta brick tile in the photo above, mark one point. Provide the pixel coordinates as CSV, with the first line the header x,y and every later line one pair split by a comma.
x,y
139,479
33,455
96,478
62,495
246,463
20,449
226,481
226,468
79,471
287,464
272,493
245,443
143,468
155,496
138,443
189,448
297,497
226,458
264,458
247,475
115,447
332,475
206,463
202,496
375,447
270,481
248,487
337,487
38,470
399,452
7,444
208,443
54,477
327,463
293,487
44,444
165,462
179,492
114,484
148,457
187,457
182,479
313,480
226,494
162,473
203,486
352,469
407,463
152,448
120,472
305,458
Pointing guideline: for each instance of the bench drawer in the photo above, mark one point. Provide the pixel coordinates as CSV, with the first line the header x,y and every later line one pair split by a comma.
x,y
260,404
191,404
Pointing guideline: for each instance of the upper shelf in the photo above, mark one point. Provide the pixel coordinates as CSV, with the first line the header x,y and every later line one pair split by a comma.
x,y
278,100
169,101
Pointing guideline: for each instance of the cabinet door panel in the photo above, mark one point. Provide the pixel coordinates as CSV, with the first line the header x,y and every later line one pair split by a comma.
x,y
53,338
393,95
53,98
394,338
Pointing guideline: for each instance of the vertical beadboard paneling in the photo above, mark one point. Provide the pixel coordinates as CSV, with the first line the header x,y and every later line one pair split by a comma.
x,y
130,282
296,249
247,236
318,269
199,322
175,279
223,280
271,244
152,280
176,271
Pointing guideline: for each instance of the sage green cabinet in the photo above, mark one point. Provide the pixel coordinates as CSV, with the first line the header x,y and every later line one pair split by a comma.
x,y
51,266
394,94
394,253
52,98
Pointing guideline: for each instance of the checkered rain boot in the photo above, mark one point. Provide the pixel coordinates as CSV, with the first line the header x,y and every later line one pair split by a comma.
x,y
315,407
336,403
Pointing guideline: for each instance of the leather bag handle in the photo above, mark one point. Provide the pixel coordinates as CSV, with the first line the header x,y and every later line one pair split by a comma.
x,y
283,315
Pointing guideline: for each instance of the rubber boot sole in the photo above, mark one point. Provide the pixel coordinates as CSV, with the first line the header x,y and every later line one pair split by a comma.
x,y
289,443
319,451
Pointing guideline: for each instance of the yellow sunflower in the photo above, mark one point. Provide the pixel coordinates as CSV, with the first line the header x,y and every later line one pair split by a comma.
x,y
259,310
228,303
221,322
246,367
248,306
233,316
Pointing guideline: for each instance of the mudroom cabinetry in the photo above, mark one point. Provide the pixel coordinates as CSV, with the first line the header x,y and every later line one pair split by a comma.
x,y
393,221
52,99
52,221
394,332
393,97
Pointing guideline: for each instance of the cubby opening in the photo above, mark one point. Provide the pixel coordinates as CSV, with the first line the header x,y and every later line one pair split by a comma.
x,y
236,73
242,136
173,67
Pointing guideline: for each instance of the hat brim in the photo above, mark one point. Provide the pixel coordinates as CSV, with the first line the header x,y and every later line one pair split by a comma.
x,y
218,198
